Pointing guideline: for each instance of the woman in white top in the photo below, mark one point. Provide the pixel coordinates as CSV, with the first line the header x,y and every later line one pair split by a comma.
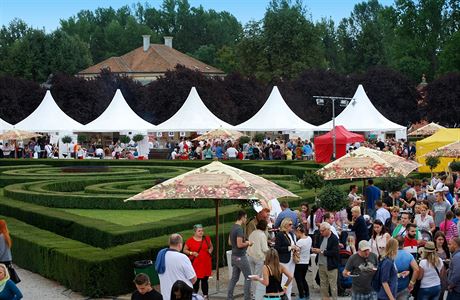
x,y
301,268
379,238
429,273
256,256
423,220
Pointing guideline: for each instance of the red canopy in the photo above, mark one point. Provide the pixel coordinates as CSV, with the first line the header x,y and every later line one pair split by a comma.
x,y
324,147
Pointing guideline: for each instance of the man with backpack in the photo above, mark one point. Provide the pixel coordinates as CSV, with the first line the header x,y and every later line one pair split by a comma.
x,y
362,266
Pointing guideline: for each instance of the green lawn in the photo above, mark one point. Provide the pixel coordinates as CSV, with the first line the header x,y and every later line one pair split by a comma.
x,y
132,217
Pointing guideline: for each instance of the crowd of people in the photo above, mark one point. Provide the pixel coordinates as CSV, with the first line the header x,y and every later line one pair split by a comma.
x,y
43,148
384,245
278,149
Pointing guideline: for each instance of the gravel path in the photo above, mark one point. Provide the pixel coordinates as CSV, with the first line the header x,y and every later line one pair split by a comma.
x,y
36,287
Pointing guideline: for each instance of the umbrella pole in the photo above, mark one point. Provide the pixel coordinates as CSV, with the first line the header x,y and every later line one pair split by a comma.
x,y
217,245
364,190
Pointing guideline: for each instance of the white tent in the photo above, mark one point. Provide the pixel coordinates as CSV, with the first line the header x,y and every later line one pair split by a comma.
x,y
275,115
193,116
361,115
4,126
48,117
117,117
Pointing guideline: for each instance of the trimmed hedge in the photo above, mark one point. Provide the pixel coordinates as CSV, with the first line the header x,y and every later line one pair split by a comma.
x,y
100,233
92,271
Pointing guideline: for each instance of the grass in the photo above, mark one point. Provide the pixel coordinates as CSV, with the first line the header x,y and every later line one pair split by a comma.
x,y
132,217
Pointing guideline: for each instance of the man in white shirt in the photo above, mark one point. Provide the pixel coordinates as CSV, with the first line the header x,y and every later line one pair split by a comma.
x,y
177,266
174,154
231,152
382,213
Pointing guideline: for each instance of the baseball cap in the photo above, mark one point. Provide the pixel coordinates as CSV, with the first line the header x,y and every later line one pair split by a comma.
x,y
364,245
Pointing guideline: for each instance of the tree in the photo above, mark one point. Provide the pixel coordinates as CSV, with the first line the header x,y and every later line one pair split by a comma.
x,y
332,198
68,54
442,100
138,137
449,58
432,162
311,180
18,98
125,139
361,37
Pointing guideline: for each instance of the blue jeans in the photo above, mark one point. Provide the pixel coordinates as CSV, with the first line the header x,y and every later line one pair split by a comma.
x,y
240,264
431,293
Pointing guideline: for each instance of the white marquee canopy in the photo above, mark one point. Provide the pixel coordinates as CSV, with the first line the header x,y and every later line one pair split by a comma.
x,y
5,125
48,117
117,117
361,115
275,115
193,116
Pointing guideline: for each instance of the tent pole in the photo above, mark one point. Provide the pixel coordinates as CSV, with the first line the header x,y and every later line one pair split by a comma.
x,y
217,245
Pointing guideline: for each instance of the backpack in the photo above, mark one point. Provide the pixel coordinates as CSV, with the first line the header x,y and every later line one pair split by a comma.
x,y
376,284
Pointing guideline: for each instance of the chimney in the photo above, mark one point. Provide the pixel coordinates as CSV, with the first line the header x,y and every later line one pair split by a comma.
x,y
146,42
168,41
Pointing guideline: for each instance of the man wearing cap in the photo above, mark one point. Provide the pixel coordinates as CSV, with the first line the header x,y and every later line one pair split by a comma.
x,y
453,276
362,266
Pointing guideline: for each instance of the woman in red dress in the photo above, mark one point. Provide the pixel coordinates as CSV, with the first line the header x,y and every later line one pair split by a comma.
x,y
199,249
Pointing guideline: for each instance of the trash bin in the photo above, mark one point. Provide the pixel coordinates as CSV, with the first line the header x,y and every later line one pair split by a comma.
x,y
230,268
147,267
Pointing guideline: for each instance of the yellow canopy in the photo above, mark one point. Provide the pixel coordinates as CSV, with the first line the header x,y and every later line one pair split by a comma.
x,y
441,138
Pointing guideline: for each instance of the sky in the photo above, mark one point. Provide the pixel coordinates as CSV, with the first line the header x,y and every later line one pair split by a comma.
x,y
47,13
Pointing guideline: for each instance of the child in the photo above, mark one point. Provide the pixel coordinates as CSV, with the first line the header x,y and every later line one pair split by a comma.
x,y
448,227
144,289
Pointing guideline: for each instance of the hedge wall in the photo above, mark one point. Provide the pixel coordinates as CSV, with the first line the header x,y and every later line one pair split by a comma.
x,y
92,271
100,233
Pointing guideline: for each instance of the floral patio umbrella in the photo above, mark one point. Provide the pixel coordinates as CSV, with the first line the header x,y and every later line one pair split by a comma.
x,y
216,181
220,133
368,163
16,134
426,130
450,150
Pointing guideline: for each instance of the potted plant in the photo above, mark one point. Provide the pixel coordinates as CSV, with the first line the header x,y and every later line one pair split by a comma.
x,y
311,180
332,198
455,166
125,139
137,138
244,139
432,162
66,140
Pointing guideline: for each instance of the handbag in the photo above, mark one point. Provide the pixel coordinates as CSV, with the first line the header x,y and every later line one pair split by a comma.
x,y
284,297
296,256
192,257
13,275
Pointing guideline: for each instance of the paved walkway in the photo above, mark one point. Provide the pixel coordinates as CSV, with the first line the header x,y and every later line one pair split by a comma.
x,y
34,286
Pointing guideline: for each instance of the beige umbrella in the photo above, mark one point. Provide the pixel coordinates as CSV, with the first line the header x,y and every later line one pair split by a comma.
x,y
368,163
220,133
450,150
216,181
426,130
16,134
